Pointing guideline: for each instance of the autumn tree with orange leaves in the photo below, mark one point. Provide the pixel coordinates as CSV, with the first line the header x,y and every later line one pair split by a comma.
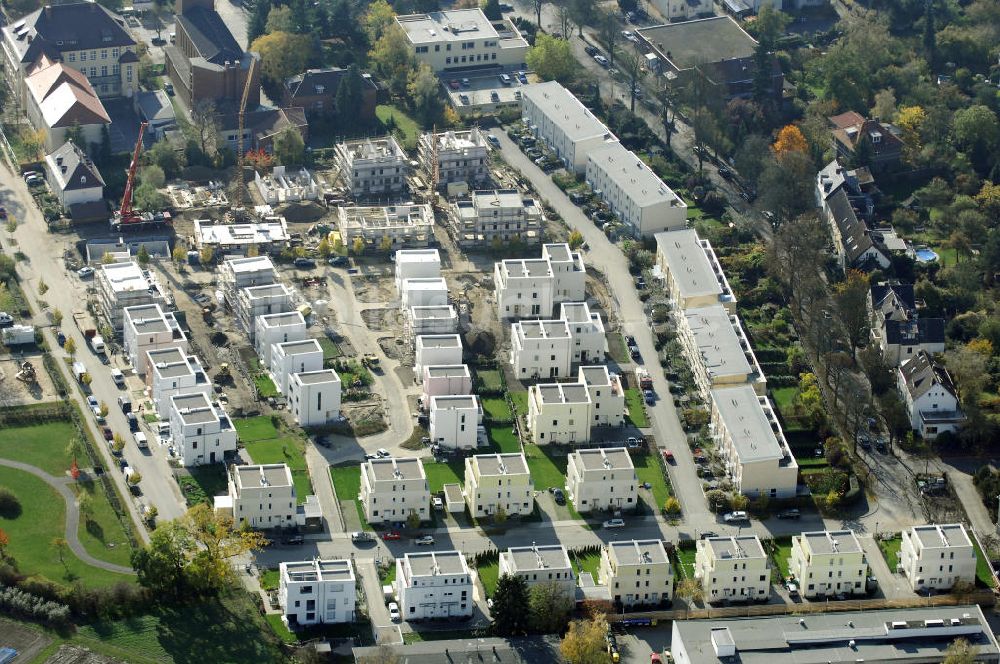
x,y
790,139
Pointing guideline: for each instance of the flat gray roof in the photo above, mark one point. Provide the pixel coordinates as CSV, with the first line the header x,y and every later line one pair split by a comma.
x,y
435,563
417,256
266,290
395,469
718,343
565,111
610,458
632,175
832,541
300,347
454,401
744,546
542,329
439,341
748,426
272,474
689,266
575,312
821,638
638,552
704,41
524,268
448,371
278,320
512,463
537,558
562,392
595,375
249,264
942,536
453,25
433,312
499,198
317,377
318,570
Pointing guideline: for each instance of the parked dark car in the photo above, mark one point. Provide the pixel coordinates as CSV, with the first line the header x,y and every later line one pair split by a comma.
x,y
792,513
304,262
559,497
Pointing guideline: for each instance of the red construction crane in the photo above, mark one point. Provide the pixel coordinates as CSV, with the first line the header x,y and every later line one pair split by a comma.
x,y
127,216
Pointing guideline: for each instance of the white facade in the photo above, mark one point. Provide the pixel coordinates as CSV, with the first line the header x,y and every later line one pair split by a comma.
x,y
454,421
718,350
269,235
929,396
423,292
539,565
434,349
496,215
733,568
463,39
317,592
559,119
286,186
294,357
201,430
238,273
637,572
147,328
936,557
436,319
634,192
314,397
277,329
417,264
254,301
751,443
446,379
498,481
173,371
691,270
541,349
590,342
602,479
392,489
559,413
263,496
828,563
372,166
530,288
123,285
607,396
568,272
435,584
399,225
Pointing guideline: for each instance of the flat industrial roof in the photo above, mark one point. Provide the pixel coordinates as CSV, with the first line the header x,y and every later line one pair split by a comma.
x,y
512,463
832,541
688,264
942,536
743,417
537,558
742,547
565,111
700,42
719,345
632,175
604,458
638,552
435,563
395,469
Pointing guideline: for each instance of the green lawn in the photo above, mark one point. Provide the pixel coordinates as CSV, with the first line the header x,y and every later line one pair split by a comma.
x,y
504,438
617,348
983,574
406,125
636,407
490,380
387,575
520,401
782,552
546,471
489,574
265,386
496,408
347,485
647,467
41,445
784,398
439,474
255,428
204,483
101,533
286,450
685,557
330,349
42,519
588,563
270,579
890,551
278,627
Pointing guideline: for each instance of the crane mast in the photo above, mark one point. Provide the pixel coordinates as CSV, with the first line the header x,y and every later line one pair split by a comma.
x,y
238,212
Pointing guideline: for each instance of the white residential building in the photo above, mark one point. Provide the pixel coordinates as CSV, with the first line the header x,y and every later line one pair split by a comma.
x,y
733,568
637,572
372,166
201,430
454,420
498,481
417,264
314,397
693,275
435,319
936,557
173,371
590,341
753,448
147,327
568,272
435,584
400,225
269,235
827,563
541,349
539,565
559,119
523,288
277,329
634,192
423,292
718,349
602,479
123,285
559,413
262,496
431,349
463,39
392,489
929,396
292,357
238,273
496,215
460,155
317,591
263,300
446,379
607,396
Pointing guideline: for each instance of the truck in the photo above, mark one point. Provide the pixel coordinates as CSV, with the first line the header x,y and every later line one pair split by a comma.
x,y
18,335
79,371
97,344
85,323
642,376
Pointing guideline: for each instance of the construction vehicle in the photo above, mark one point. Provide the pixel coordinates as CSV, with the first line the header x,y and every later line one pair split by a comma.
x,y
641,375
238,212
26,373
127,217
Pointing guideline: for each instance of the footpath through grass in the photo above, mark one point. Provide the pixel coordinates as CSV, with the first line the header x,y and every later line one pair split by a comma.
x,y
41,445
266,444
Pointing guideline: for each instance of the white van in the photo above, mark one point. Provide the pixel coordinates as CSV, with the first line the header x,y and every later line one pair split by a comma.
x,y
140,440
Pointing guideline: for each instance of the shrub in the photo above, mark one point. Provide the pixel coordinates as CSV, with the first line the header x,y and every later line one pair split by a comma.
x,y
25,605
10,506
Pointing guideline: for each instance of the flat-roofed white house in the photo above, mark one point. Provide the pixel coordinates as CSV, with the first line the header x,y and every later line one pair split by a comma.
x,y
392,489
417,264
561,120
496,215
637,572
201,430
541,349
498,481
752,444
293,357
261,496
409,225
174,371
929,396
312,592
314,397
828,562
936,557
277,329
124,285
718,350
434,349
634,192
602,479
423,292
590,341
147,327
238,273
540,564
434,584
692,273
454,420
568,271
445,379
733,568
254,301
463,39
434,319
523,287
559,413
607,396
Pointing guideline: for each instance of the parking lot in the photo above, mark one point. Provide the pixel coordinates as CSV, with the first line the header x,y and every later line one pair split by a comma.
x,y
483,91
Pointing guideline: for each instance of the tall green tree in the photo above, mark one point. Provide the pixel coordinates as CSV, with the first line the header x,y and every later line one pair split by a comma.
x,y
930,35
510,606
549,606
348,99
850,299
257,23
289,148
552,59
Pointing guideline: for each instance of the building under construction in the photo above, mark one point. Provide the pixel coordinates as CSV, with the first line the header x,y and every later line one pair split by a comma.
x,y
372,166
455,156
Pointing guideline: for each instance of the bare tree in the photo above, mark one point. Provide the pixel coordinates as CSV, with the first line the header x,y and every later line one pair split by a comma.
x,y
537,4
565,16
205,121
609,34
631,65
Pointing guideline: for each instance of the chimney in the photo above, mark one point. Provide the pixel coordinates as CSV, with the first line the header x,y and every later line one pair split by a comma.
x,y
63,168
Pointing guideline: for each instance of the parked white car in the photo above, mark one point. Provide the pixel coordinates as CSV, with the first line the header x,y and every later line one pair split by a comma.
x,y
393,612
614,523
733,517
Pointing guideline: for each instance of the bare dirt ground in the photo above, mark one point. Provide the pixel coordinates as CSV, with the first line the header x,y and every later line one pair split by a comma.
x,y
384,320
393,347
14,392
375,290
22,638
76,655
